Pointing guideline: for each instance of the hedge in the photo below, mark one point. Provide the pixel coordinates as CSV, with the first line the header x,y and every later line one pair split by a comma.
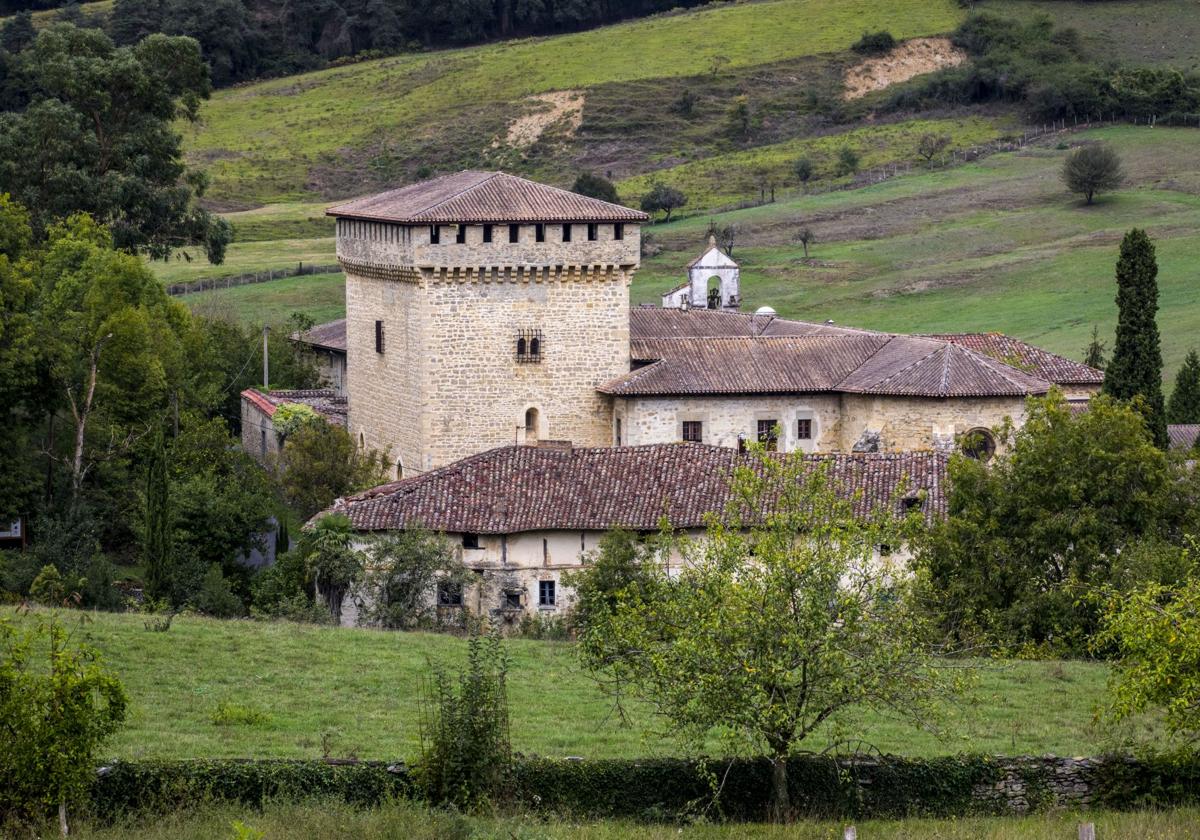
x,y
656,789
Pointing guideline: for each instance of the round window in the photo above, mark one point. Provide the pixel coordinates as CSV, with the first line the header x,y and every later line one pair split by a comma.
x,y
979,444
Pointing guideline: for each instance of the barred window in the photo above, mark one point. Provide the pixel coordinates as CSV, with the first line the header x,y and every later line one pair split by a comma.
x,y
529,346
804,428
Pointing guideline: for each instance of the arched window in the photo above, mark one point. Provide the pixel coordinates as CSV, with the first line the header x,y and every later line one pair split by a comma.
x,y
521,346
399,470
714,292
535,347
979,444
531,425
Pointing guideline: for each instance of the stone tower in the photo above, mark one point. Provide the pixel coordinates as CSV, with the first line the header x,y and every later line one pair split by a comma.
x,y
483,309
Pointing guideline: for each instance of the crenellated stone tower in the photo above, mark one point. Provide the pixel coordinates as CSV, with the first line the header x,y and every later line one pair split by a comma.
x,y
483,309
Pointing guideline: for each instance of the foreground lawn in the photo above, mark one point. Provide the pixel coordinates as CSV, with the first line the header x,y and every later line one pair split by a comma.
x,y
413,822
357,692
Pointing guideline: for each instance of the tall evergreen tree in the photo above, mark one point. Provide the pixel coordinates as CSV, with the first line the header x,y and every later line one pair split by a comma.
x,y
1136,365
1184,406
156,550
1093,354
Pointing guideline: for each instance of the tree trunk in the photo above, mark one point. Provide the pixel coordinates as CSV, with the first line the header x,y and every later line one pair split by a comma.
x,y
781,806
81,417
62,819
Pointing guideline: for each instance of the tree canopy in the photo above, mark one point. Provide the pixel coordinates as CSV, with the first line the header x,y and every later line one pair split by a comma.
x,y
89,130
1184,406
1092,169
664,198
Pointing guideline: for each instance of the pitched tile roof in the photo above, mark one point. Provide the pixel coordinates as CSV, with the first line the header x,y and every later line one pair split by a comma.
x,y
650,322
1183,436
1035,360
330,336
533,488
470,196
325,401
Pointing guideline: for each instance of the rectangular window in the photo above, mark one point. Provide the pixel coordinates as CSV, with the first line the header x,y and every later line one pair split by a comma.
x,y
487,233
379,336
804,428
512,600
461,236
618,431
545,593
592,232
449,594
470,540
566,233
514,233
766,433
435,235
693,431
539,233
618,231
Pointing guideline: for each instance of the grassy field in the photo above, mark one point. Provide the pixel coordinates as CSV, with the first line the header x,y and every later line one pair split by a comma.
x,y
321,297
1165,32
358,691
412,822
338,130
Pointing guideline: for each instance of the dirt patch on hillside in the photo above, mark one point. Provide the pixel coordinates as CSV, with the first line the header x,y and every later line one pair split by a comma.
x,y
912,58
560,106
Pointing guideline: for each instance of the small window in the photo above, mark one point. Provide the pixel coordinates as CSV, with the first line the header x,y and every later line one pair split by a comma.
x,y
399,470
263,448
618,231
767,433
379,336
470,541
512,600
535,347
435,235
529,346
693,431
487,233
566,233
514,233
449,594
804,428
979,444
618,431
910,503
539,233
546,593
592,232
461,236
521,347
741,447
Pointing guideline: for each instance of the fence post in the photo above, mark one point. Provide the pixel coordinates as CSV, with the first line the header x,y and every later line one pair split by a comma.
x,y
1087,831
851,833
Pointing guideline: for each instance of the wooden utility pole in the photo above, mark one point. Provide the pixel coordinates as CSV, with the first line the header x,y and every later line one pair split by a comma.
x,y
266,360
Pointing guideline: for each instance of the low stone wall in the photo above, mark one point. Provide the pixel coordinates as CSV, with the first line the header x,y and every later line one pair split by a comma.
x,y
1031,783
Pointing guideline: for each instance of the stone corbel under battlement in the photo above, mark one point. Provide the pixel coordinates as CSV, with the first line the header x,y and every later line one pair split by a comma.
x,y
378,271
606,272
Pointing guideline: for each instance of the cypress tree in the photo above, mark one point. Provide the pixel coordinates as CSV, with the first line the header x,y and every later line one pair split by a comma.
x,y
1184,406
156,548
1135,368
1093,354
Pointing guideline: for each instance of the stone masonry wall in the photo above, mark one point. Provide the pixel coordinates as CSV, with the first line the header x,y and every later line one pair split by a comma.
x,y
907,423
660,419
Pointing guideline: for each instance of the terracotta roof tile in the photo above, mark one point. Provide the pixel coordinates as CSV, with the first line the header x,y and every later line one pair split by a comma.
x,y
325,401
330,336
1183,436
530,488
483,197
1035,360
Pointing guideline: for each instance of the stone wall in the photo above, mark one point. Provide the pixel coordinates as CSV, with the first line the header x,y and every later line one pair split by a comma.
x,y
839,420
1036,783
258,432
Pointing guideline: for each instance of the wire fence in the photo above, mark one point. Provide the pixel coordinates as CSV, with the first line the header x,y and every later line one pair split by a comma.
x,y
208,284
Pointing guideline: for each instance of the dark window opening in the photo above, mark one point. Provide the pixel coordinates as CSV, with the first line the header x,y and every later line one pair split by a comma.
x,y
693,431
546,593
461,236
470,541
512,600
978,444
592,232
566,233
768,434
910,503
514,233
449,594
804,429
487,233
618,231
435,235
539,233
741,445
379,336
263,433
618,431
529,346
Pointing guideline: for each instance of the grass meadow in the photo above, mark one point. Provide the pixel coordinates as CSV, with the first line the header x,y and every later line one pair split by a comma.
x,y
328,821
310,691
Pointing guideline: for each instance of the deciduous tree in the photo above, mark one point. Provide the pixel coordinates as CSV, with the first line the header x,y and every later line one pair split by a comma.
x,y
776,623
1092,169
664,198
320,462
595,186
1135,369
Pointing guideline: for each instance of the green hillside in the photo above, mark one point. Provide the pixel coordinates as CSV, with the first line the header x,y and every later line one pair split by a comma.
x,y
338,131
358,692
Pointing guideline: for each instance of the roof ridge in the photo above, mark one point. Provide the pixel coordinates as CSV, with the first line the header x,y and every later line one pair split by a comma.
x,y
561,190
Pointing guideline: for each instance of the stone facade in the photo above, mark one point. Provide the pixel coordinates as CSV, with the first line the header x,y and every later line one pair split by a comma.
x,y
838,422
258,431
446,380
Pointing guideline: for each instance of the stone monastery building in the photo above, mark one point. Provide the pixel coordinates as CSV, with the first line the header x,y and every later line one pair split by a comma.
x,y
488,319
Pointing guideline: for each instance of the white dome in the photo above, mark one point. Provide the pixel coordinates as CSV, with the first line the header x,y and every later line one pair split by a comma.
x,y
764,310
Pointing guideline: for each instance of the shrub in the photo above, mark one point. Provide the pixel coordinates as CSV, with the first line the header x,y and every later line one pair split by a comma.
x,y
291,416
1092,169
874,43
595,186
236,714
848,161
216,596
465,753
54,718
